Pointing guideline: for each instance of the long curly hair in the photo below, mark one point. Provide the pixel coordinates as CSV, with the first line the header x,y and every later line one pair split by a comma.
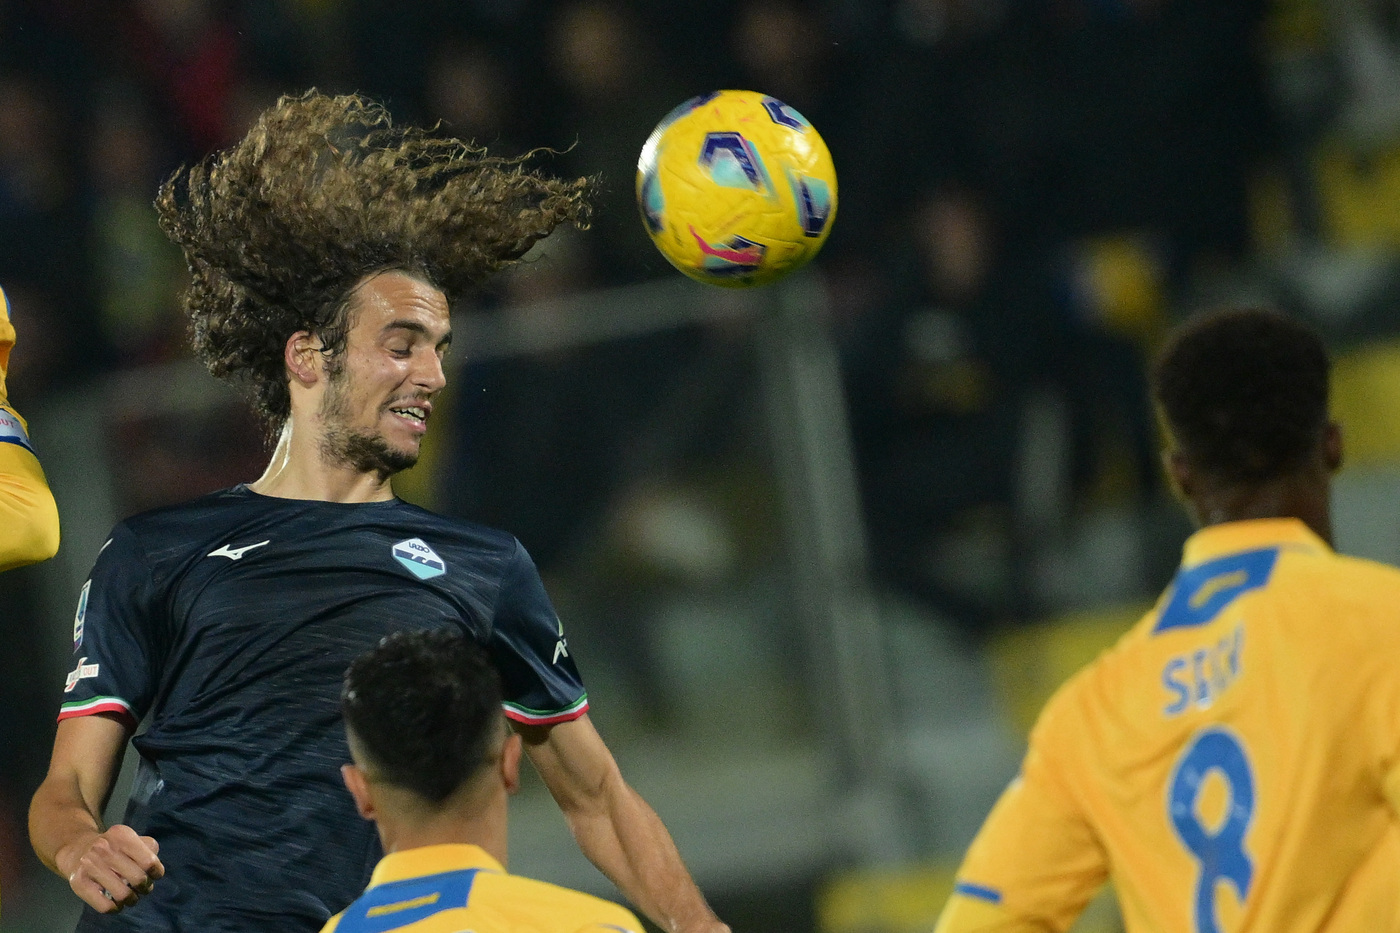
x,y
321,192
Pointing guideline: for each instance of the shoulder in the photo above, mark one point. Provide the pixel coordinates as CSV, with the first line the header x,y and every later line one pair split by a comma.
x,y
1099,685
564,909
459,532
1344,590
1374,573
226,504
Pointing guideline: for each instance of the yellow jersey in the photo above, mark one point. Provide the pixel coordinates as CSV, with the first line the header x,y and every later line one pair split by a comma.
x,y
452,888
1232,763
28,515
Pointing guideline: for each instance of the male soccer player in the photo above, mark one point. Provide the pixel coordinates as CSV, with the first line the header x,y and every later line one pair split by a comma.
x,y
325,248
433,768
28,515
1233,763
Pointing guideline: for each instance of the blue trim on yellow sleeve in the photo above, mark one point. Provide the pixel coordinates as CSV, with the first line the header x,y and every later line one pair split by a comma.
x,y
12,432
980,892
391,906
1202,592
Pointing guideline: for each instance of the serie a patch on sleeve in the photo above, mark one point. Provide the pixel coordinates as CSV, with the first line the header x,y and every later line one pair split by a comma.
x,y
12,431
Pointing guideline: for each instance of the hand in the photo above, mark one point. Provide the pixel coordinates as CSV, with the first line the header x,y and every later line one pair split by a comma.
x,y
114,869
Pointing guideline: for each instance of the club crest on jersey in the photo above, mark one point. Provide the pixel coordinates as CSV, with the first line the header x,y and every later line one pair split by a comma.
x,y
421,560
81,672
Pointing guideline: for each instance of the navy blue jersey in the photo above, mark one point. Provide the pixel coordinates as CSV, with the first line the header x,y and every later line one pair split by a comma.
x,y
227,624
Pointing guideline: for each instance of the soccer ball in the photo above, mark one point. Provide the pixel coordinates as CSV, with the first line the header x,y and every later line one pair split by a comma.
x,y
736,189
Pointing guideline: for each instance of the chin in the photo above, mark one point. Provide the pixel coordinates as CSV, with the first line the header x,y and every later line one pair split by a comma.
x,y
374,454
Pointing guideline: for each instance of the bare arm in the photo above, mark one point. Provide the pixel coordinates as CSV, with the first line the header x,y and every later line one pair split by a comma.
x,y
615,827
109,868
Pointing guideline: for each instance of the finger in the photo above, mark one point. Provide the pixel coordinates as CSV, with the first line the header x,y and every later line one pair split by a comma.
x,y
114,875
123,865
92,893
154,868
127,848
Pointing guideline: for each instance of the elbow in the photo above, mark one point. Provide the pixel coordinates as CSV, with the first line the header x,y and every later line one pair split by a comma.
x,y
37,539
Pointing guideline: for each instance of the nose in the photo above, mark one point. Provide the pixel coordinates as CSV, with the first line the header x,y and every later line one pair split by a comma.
x,y
429,374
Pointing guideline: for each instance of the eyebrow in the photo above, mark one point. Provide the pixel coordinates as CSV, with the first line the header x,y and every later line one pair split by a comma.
x,y
418,328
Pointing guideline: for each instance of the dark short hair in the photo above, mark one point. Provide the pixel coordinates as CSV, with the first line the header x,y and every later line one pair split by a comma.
x,y
425,707
322,191
1244,392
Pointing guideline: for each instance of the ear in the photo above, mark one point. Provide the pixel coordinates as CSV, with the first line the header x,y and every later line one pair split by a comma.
x,y
1332,447
302,355
510,762
358,786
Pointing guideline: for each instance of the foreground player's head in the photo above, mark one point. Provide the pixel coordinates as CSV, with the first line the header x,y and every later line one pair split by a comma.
x,y
433,760
1243,397
283,231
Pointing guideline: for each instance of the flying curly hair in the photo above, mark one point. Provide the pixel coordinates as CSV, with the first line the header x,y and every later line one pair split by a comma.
x,y
321,192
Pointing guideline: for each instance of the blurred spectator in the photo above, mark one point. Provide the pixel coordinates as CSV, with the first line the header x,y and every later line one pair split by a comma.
x,y
782,49
470,90
937,379
189,53
613,88
50,358
137,273
39,232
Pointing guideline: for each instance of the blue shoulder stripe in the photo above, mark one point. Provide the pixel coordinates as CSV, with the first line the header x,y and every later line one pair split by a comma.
x,y
981,892
1200,593
391,906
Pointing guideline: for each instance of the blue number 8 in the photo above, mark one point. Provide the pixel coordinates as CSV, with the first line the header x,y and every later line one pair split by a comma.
x,y
1221,853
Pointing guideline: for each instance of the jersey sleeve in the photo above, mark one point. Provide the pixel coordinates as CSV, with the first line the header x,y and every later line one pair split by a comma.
x,y
623,924
116,641
540,682
1036,862
28,514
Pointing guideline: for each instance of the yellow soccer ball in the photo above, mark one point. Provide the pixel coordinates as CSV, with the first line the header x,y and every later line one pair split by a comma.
x,y
736,189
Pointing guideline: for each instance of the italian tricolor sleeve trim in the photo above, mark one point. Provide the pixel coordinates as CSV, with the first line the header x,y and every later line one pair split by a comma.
x,y
96,705
537,717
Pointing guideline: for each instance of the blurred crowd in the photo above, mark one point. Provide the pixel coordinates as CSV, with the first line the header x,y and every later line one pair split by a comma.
x,y
1031,191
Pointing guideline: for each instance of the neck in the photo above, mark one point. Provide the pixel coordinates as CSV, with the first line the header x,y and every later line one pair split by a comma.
x,y
299,470
452,825
1302,495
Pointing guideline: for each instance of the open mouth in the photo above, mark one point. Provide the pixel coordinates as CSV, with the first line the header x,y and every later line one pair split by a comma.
x,y
413,414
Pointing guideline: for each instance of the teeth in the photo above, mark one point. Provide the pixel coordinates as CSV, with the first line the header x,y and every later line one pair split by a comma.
x,y
417,413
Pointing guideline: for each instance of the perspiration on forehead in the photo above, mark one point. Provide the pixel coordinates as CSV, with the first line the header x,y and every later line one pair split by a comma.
x,y
396,291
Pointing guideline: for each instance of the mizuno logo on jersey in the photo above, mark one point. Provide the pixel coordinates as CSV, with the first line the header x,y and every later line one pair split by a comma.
x,y
81,672
234,553
421,560
81,615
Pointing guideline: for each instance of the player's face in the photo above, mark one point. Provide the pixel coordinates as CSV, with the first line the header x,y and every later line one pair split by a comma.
x,y
379,391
